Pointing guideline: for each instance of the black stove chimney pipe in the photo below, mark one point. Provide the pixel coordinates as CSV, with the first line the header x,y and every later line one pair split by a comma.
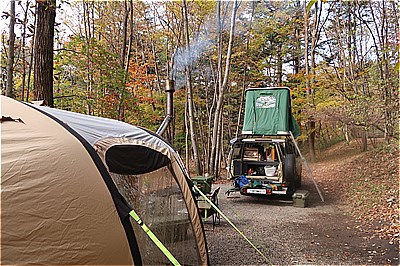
x,y
169,90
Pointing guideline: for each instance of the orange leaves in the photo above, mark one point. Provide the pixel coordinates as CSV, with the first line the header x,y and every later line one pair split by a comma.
x,y
139,82
144,99
138,75
111,98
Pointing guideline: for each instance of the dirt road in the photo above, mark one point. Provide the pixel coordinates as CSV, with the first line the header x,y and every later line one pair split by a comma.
x,y
320,234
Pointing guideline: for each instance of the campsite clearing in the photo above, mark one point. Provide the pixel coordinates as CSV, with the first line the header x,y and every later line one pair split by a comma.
x,y
323,233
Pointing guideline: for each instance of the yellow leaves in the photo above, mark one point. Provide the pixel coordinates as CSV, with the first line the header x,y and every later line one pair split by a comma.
x,y
204,8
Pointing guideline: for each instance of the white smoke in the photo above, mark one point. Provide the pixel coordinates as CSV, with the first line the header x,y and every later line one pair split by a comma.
x,y
182,58
197,47
202,41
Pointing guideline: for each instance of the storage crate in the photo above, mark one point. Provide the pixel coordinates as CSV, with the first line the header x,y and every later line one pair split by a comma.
x,y
300,198
204,183
270,170
250,154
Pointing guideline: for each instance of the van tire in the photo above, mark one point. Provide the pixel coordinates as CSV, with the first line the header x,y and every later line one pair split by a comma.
x,y
290,168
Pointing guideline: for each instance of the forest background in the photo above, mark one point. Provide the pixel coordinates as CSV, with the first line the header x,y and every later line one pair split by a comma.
x,y
111,59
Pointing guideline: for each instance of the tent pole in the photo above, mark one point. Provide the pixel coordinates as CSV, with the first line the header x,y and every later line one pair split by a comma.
x,y
307,167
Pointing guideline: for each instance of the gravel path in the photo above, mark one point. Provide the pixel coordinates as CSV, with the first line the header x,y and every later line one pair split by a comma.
x,y
320,234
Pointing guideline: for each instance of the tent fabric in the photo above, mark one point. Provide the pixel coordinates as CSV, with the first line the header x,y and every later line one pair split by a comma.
x,y
47,214
180,174
103,133
122,207
41,159
157,197
93,128
192,207
268,111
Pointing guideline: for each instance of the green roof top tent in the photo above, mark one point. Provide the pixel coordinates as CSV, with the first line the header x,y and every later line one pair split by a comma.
x,y
70,181
268,112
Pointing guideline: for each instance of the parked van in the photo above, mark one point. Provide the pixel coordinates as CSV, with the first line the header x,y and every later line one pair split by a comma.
x,y
264,160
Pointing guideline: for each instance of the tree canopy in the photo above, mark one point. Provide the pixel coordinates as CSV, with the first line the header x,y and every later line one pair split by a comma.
x,y
111,59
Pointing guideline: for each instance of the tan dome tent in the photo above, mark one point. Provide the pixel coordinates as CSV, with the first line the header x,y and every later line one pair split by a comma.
x,y
69,181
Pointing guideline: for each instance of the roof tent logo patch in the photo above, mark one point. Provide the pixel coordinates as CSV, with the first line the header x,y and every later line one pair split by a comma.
x,y
266,102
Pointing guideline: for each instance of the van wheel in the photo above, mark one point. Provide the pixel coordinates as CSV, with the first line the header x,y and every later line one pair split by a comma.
x,y
290,191
290,168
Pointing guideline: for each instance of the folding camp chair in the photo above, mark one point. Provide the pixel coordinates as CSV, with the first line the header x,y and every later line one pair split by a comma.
x,y
206,210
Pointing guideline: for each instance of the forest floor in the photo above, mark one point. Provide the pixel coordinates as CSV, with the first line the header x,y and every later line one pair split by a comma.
x,y
358,224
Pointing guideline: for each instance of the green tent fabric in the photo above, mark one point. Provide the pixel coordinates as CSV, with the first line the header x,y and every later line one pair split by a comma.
x,y
268,112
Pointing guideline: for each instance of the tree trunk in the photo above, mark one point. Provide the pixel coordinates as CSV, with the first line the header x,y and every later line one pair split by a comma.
x,y
43,54
125,54
189,94
297,56
310,122
241,105
187,150
364,139
217,147
10,59
88,36
218,84
31,59
311,138
218,110
23,50
279,65
244,84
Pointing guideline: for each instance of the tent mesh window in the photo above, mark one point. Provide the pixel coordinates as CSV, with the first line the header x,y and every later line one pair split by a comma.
x,y
158,200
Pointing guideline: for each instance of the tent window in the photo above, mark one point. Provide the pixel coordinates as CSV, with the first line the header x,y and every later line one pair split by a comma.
x,y
157,198
134,159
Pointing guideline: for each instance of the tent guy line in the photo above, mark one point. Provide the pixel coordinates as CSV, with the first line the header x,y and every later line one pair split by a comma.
x,y
153,237
231,223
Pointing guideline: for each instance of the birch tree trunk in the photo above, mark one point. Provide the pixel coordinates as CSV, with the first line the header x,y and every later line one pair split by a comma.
x,y
217,125
244,84
310,122
31,59
23,50
218,84
189,94
10,59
